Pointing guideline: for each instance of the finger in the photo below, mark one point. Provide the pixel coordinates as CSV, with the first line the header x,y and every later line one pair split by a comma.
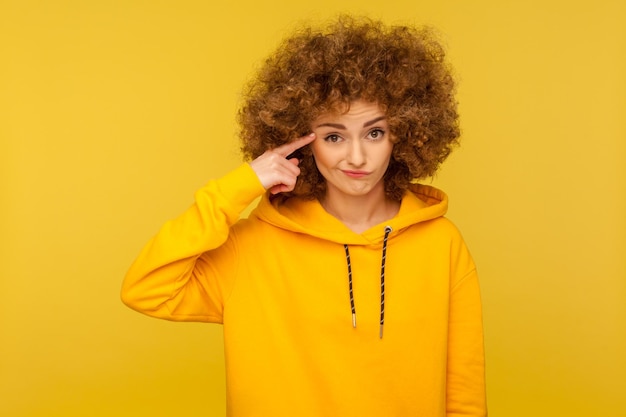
x,y
280,188
291,147
283,187
285,166
288,176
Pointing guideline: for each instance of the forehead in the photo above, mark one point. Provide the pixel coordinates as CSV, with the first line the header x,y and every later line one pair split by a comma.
x,y
357,110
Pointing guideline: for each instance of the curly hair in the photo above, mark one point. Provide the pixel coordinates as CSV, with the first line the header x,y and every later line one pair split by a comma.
x,y
316,71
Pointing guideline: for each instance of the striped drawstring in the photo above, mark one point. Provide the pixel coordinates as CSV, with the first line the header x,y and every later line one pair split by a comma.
x,y
350,285
388,230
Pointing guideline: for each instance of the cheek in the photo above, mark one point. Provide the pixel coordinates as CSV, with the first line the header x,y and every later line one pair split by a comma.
x,y
316,160
385,157
314,154
320,156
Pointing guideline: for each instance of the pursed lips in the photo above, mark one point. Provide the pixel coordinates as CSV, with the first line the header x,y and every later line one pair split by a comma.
x,y
355,174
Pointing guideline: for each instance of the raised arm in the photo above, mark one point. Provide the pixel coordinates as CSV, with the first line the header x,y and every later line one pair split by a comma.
x,y
167,280
184,272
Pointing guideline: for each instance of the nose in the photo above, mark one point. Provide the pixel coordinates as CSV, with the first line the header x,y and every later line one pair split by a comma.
x,y
356,153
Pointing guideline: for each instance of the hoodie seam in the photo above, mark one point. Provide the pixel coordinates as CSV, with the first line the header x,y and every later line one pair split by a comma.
x,y
173,294
463,279
236,274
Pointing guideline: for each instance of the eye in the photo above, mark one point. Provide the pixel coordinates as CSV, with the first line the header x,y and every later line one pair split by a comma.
x,y
332,138
376,134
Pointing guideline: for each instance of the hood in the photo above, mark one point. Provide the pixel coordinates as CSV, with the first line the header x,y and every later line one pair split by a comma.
x,y
420,203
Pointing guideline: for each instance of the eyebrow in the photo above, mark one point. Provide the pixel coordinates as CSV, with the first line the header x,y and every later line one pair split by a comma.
x,y
371,122
340,126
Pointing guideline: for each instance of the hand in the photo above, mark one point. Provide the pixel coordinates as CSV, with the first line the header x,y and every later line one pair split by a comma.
x,y
277,173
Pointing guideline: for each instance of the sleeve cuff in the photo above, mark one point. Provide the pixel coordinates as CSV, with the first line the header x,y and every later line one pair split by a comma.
x,y
240,187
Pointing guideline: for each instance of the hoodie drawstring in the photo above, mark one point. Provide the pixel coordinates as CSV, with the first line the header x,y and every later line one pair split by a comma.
x,y
388,230
350,285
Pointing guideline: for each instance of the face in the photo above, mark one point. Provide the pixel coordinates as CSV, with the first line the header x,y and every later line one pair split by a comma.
x,y
352,150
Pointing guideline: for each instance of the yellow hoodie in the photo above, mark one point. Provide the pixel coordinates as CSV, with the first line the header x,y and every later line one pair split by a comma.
x,y
285,283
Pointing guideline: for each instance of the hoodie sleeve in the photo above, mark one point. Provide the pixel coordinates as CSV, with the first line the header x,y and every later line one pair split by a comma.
x,y
185,271
466,362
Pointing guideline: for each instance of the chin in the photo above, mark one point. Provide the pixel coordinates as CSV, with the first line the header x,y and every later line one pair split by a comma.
x,y
358,193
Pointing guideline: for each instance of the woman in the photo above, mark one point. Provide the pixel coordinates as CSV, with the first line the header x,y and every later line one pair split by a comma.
x,y
346,292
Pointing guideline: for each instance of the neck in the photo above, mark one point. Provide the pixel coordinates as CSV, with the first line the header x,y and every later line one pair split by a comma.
x,y
360,213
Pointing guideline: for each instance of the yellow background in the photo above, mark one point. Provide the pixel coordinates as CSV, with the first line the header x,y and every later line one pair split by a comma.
x,y
113,112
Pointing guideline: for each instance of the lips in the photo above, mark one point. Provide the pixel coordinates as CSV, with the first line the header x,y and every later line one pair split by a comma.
x,y
355,174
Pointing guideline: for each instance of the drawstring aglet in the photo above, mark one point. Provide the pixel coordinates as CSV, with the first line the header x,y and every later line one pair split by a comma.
x,y
354,320
380,334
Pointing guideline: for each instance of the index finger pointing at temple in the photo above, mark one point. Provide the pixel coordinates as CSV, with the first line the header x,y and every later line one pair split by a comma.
x,y
289,148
